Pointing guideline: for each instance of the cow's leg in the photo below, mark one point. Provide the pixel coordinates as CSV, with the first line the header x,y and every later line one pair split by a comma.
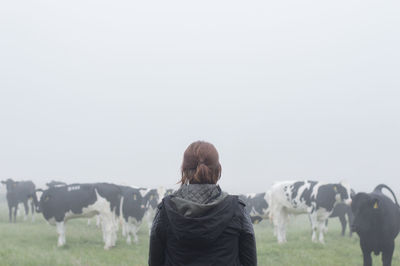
x,y
387,254
280,222
89,221
326,226
131,232
98,221
61,233
10,213
128,238
26,210
278,225
126,231
285,220
103,231
366,253
108,230
321,225
15,213
275,222
134,230
114,232
124,224
314,226
367,259
106,234
351,218
32,210
343,221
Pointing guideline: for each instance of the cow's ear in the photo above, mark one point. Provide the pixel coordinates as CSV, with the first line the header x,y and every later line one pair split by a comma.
x,y
3,182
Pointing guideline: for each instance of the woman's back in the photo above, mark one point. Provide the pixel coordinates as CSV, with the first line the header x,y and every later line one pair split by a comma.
x,y
201,225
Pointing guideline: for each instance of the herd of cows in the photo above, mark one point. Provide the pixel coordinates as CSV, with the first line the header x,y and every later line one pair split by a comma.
x,y
373,216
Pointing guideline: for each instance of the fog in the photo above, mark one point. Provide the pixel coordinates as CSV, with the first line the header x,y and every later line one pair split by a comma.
x,y
115,91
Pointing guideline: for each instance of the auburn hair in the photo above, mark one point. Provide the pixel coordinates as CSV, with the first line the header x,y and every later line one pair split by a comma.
x,y
200,164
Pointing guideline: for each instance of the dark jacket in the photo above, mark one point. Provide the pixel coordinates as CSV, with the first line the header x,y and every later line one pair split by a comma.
x,y
201,225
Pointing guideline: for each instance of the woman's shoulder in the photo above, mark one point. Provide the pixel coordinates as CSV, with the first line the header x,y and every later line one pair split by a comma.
x,y
238,204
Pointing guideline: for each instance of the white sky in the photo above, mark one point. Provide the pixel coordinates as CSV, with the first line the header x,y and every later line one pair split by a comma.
x,y
116,90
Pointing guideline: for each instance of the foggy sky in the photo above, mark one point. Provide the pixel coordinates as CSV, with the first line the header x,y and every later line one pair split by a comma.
x,y
115,91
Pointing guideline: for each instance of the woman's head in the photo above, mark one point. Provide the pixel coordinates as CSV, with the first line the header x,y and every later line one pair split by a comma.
x,y
200,164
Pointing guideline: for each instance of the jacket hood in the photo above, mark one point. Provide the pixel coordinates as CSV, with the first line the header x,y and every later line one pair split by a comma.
x,y
199,213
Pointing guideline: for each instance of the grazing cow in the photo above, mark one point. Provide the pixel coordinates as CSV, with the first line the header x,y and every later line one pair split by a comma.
x,y
132,210
20,192
340,211
53,183
377,223
305,197
256,206
59,204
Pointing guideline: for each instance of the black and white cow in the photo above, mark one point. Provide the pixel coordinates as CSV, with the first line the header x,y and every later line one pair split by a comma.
x,y
20,192
256,206
53,183
132,210
59,204
342,210
152,198
377,223
305,197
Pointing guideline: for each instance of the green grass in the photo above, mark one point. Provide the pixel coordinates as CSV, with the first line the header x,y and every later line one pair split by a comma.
x,y
26,243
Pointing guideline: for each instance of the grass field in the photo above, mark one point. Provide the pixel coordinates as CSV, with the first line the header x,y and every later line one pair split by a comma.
x,y
27,243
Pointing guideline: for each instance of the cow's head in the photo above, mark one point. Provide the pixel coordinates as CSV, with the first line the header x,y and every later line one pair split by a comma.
x,y
138,199
343,193
39,193
45,199
151,198
258,204
10,184
367,213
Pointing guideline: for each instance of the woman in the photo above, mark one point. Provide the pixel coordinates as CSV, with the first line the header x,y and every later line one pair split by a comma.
x,y
199,224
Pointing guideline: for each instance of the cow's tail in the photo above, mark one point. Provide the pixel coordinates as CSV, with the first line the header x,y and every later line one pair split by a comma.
x,y
378,188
